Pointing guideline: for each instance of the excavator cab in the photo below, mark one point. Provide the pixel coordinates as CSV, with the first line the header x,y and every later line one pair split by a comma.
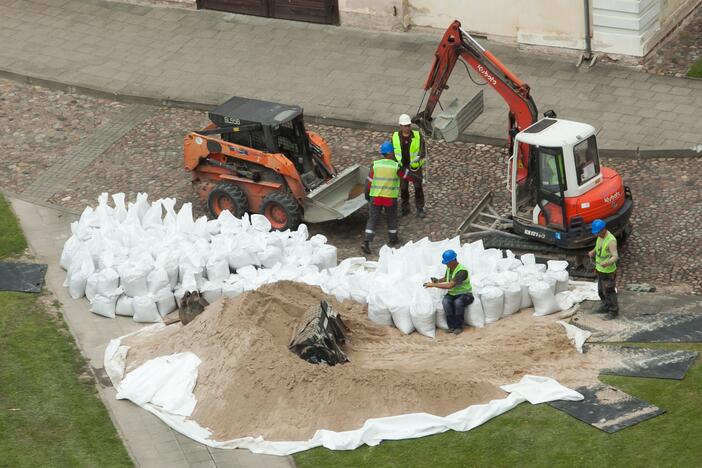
x,y
566,188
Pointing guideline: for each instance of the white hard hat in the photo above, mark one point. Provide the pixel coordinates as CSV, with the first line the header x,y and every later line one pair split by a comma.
x,y
405,120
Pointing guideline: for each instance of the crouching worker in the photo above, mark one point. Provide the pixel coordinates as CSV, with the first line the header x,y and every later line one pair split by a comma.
x,y
382,192
460,292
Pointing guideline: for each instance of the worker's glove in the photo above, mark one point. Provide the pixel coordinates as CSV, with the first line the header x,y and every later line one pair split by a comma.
x,y
434,280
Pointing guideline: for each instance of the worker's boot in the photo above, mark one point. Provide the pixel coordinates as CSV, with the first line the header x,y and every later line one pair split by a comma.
x,y
365,247
611,316
421,213
602,309
393,240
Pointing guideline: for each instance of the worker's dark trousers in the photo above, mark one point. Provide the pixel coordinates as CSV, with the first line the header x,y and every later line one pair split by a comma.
x,y
607,290
390,219
416,180
454,307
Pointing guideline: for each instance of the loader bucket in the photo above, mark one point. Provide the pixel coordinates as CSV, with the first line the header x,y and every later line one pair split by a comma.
x,y
339,197
451,122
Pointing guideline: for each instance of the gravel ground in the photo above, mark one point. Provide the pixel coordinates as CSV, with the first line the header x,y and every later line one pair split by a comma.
x,y
663,250
680,50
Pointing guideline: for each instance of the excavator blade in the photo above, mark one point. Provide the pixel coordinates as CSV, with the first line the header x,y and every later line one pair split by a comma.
x,y
337,198
455,118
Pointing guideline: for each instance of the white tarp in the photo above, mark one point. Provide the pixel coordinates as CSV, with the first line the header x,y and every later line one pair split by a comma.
x,y
163,386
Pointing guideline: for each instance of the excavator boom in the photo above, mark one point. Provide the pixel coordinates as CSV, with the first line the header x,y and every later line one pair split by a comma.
x,y
457,45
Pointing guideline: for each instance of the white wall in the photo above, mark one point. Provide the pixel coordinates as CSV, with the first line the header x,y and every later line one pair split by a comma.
x,y
627,27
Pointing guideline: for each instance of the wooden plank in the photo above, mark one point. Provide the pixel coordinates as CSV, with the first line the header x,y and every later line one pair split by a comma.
x,y
313,11
244,7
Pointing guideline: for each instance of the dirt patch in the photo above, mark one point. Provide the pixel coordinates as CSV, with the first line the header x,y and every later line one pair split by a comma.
x,y
249,384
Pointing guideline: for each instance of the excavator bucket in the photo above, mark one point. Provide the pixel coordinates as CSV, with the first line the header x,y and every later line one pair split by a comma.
x,y
451,122
339,197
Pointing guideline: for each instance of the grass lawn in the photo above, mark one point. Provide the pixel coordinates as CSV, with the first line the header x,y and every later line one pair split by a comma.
x,y
49,417
542,436
696,69
12,241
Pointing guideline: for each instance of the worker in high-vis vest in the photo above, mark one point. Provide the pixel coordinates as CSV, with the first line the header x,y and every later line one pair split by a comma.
x,y
410,152
382,191
605,255
459,294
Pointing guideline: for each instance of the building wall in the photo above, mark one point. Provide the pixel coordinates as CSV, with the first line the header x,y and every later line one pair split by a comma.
x,y
627,27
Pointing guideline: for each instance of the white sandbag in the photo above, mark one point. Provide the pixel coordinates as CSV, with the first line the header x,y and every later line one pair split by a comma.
x,y
217,269
440,317
325,256
78,276
153,215
552,282
474,315
492,299
528,259
512,298
91,286
170,264
260,223
524,284
108,281
270,256
184,219
133,280
242,257
318,239
543,298
211,291
422,312
145,310
188,272
379,314
165,301
104,305
189,283
124,306
72,245
232,287
507,264
401,318
557,265
561,277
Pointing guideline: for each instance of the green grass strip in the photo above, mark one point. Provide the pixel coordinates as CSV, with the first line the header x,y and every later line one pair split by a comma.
x,y
12,241
696,69
541,436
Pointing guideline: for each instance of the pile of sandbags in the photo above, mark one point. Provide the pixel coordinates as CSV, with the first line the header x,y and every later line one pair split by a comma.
x,y
139,259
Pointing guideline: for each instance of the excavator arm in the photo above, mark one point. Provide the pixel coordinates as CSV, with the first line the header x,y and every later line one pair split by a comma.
x,y
458,45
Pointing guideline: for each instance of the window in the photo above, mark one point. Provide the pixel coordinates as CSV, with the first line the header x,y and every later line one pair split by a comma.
x,y
587,162
550,164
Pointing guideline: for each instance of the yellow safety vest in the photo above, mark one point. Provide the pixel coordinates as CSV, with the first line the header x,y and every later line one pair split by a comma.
x,y
464,287
603,254
415,146
386,182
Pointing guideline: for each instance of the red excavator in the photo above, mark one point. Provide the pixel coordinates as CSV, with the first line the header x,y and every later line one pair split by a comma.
x,y
557,184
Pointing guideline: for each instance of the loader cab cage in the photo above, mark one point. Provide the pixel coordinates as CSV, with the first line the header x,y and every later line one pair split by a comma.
x,y
263,125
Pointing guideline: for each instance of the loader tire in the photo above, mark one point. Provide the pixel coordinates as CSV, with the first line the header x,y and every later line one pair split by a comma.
x,y
227,196
282,210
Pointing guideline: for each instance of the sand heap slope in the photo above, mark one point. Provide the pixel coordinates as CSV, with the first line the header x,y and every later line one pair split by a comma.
x,y
250,384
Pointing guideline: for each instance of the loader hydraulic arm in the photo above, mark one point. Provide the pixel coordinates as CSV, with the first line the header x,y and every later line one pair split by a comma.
x,y
457,45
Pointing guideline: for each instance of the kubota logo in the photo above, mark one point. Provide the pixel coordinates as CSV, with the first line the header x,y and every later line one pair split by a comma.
x,y
531,233
613,198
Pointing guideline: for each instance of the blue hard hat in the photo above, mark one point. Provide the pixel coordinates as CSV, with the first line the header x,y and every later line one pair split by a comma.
x,y
597,226
386,147
448,257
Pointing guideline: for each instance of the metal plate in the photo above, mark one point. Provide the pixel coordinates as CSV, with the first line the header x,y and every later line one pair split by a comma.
x,y
655,363
22,277
607,408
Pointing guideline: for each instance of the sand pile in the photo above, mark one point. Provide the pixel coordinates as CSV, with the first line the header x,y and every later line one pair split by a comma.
x,y
249,384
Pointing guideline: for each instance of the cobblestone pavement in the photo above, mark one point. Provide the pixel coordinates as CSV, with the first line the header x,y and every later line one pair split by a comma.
x,y
333,72
680,50
663,250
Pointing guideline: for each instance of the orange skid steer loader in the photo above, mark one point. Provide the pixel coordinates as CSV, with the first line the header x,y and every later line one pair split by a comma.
x,y
256,157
